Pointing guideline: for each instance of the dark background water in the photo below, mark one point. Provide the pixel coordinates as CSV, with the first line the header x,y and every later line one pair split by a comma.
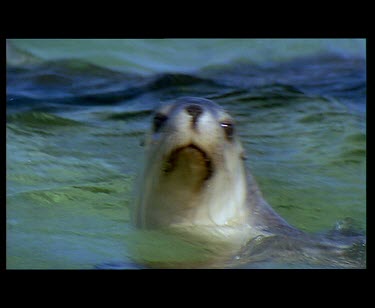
x,y
77,111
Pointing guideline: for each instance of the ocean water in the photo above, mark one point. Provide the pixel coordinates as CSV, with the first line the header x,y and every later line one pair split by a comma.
x,y
77,111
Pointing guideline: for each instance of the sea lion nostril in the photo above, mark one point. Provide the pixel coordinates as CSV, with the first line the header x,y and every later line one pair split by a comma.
x,y
194,110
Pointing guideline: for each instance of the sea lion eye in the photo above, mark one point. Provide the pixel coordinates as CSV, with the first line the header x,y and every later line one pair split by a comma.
x,y
228,129
159,120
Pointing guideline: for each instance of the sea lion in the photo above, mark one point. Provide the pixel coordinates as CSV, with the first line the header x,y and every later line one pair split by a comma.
x,y
195,174
195,180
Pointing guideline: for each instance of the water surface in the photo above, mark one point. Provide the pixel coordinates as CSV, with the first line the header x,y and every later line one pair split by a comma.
x,y
77,111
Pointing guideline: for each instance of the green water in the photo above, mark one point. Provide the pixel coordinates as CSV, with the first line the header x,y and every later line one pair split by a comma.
x,y
70,186
177,55
72,161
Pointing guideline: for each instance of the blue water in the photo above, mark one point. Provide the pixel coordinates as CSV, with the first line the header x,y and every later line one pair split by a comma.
x,y
77,111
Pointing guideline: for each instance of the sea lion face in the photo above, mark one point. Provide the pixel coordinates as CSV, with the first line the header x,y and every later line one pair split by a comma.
x,y
194,173
192,136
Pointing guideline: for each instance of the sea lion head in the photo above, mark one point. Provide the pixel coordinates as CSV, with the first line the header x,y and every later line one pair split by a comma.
x,y
194,172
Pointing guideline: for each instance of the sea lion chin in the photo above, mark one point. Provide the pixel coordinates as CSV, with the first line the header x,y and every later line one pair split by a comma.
x,y
192,159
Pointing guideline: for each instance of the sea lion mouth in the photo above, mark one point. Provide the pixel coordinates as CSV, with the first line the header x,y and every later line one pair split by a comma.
x,y
192,158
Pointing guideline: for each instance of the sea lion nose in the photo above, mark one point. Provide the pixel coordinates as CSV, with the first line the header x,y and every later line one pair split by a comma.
x,y
194,110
